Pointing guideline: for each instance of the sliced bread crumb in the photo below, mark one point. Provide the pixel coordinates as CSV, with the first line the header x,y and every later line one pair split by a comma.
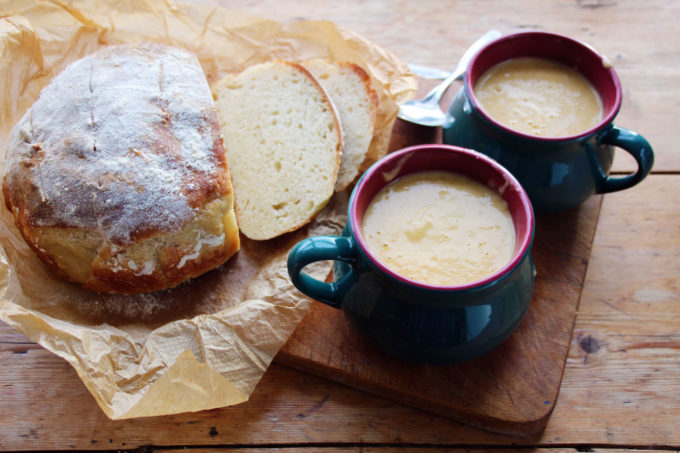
x,y
283,144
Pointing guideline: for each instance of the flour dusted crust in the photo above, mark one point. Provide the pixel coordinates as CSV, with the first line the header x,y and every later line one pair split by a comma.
x,y
117,176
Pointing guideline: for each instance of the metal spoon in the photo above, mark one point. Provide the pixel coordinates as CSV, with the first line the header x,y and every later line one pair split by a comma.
x,y
426,111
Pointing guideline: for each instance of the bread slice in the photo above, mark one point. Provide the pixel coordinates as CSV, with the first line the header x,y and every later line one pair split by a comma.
x,y
349,88
283,144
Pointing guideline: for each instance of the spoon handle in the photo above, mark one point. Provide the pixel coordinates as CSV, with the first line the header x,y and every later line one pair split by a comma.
x,y
437,92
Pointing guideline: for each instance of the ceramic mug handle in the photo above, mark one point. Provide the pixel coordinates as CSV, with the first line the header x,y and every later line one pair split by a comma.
x,y
323,248
635,145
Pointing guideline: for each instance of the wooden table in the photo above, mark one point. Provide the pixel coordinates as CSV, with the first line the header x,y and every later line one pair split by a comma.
x,y
621,388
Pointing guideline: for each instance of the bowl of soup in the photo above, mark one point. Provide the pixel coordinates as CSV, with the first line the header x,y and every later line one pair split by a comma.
x,y
434,263
543,105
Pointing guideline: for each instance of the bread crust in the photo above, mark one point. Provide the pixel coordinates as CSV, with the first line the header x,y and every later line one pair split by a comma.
x,y
117,176
329,101
350,89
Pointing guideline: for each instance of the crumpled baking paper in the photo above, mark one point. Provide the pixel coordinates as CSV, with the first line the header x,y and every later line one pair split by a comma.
x,y
206,343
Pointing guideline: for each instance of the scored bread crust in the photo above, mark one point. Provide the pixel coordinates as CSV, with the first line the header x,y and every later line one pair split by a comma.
x,y
117,177
356,102
283,143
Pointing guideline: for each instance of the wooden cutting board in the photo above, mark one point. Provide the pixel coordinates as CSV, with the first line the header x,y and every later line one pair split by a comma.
x,y
511,390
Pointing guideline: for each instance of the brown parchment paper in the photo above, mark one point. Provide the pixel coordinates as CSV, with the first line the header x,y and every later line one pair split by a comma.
x,y
206,343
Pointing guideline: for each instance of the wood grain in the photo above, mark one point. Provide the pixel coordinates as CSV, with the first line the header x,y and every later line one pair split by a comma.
x,y
640,39
621,387
625,352
390,448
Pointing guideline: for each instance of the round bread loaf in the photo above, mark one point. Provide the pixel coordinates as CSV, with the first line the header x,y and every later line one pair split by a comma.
x,y
117,176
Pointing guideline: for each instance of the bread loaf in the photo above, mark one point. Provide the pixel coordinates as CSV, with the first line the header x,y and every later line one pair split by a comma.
x,y
117,177
356,102
283,144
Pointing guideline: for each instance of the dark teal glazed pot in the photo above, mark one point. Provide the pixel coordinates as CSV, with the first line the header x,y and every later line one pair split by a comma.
x,y
409,319
557,173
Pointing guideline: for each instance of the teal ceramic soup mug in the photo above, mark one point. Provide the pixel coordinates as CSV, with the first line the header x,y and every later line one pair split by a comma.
x,y
410,319
558,173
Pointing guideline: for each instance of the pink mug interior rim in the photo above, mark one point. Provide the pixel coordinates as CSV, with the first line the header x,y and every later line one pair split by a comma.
x,y
447,158
594,66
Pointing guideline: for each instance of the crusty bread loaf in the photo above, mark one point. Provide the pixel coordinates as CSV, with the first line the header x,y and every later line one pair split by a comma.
x,y
356,102
117,176
283,146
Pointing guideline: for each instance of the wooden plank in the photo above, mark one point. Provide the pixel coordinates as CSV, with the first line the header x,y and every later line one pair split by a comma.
x,y
431,32
624,393
622,381
401,449
621,386
46,407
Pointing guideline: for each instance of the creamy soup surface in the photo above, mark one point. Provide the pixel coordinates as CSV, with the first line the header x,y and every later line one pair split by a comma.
x,y
439,228
539,97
